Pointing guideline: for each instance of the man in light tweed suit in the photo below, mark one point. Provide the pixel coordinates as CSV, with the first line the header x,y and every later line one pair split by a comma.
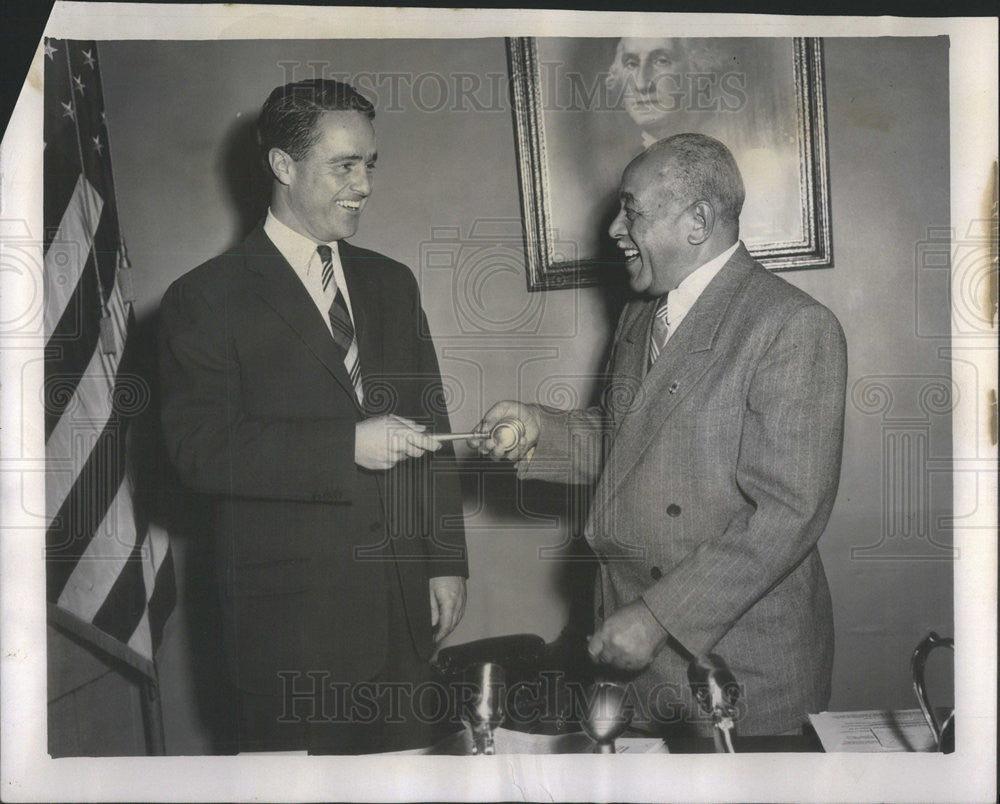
x,y
716,455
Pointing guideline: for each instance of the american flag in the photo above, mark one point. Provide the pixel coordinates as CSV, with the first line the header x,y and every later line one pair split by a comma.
x,y
109,576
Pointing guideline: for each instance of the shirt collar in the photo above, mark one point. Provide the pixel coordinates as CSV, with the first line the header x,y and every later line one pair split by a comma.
x,y
696,281
298,249
682,298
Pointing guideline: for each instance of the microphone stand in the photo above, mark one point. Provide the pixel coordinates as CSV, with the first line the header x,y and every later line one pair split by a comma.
x,y
715,688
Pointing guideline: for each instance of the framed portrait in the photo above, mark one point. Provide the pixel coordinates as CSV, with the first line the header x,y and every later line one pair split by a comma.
x,y
584,107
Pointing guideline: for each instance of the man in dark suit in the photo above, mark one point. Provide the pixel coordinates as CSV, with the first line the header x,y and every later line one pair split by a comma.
x,y
301,389
716,455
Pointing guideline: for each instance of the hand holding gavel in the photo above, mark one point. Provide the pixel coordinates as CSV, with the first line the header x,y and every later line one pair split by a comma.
x,y
509,430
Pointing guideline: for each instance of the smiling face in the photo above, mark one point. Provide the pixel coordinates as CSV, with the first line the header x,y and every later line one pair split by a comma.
x,y
651,229
325,191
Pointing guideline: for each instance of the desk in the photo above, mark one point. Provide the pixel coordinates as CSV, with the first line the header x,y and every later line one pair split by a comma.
x,y
516,742
794,744
460,744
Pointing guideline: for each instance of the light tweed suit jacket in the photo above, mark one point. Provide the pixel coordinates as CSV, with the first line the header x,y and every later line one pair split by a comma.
x,y
716,472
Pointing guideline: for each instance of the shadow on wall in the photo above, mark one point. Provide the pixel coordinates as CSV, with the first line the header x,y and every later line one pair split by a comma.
x,y
577,564
186,517
246,176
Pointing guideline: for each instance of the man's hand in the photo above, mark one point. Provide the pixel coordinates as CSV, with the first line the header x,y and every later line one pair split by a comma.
x,y
447,604
384,441
508,409
629,638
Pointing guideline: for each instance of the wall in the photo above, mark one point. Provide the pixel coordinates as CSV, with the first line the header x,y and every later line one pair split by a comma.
x,y
180,118
886,547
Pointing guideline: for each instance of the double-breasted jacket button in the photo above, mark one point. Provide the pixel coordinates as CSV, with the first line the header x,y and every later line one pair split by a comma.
x,y
656,573
673,509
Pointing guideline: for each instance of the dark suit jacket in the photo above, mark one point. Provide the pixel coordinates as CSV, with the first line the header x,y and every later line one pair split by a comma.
x,y
259,411
721,467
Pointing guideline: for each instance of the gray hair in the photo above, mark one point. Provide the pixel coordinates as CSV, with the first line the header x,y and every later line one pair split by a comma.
x,y
701,168
699,55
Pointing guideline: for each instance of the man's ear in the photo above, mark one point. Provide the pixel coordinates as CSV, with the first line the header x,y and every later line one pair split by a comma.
x,y
282,165
702,222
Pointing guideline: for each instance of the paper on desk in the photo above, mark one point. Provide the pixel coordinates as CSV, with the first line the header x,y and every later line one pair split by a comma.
x,y
873,731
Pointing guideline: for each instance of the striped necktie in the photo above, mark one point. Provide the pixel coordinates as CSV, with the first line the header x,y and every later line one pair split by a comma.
x,y
660,333
340,322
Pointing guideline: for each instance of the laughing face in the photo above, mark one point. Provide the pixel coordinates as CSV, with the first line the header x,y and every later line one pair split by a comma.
x,y
651,229
327,189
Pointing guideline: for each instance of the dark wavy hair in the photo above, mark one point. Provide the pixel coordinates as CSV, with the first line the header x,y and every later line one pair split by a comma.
x,y
288,118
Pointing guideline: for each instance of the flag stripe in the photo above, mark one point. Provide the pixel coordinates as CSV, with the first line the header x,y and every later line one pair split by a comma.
x,y
163,598
67,255
158,576
157,548
141,640
84,416
71,347
109,578
85,507
89,486
125,604
64,176
103,559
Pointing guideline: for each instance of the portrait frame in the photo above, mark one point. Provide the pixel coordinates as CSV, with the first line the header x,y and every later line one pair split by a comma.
x,y
549,268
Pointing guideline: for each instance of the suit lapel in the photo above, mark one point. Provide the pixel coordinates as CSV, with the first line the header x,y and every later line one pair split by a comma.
x,y
277,285
686,357
631,354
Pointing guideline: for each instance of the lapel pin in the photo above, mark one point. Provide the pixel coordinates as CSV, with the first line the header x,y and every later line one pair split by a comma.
x,y
673,387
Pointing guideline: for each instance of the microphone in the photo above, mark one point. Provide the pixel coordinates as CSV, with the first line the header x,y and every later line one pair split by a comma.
x,y
715,688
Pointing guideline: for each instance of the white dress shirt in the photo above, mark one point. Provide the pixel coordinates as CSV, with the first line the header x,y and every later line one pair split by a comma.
x,y
683,297
300,251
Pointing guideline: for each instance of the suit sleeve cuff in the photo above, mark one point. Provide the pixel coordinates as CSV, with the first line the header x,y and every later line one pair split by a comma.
x,y
684,642
659,620
549,458
447,569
